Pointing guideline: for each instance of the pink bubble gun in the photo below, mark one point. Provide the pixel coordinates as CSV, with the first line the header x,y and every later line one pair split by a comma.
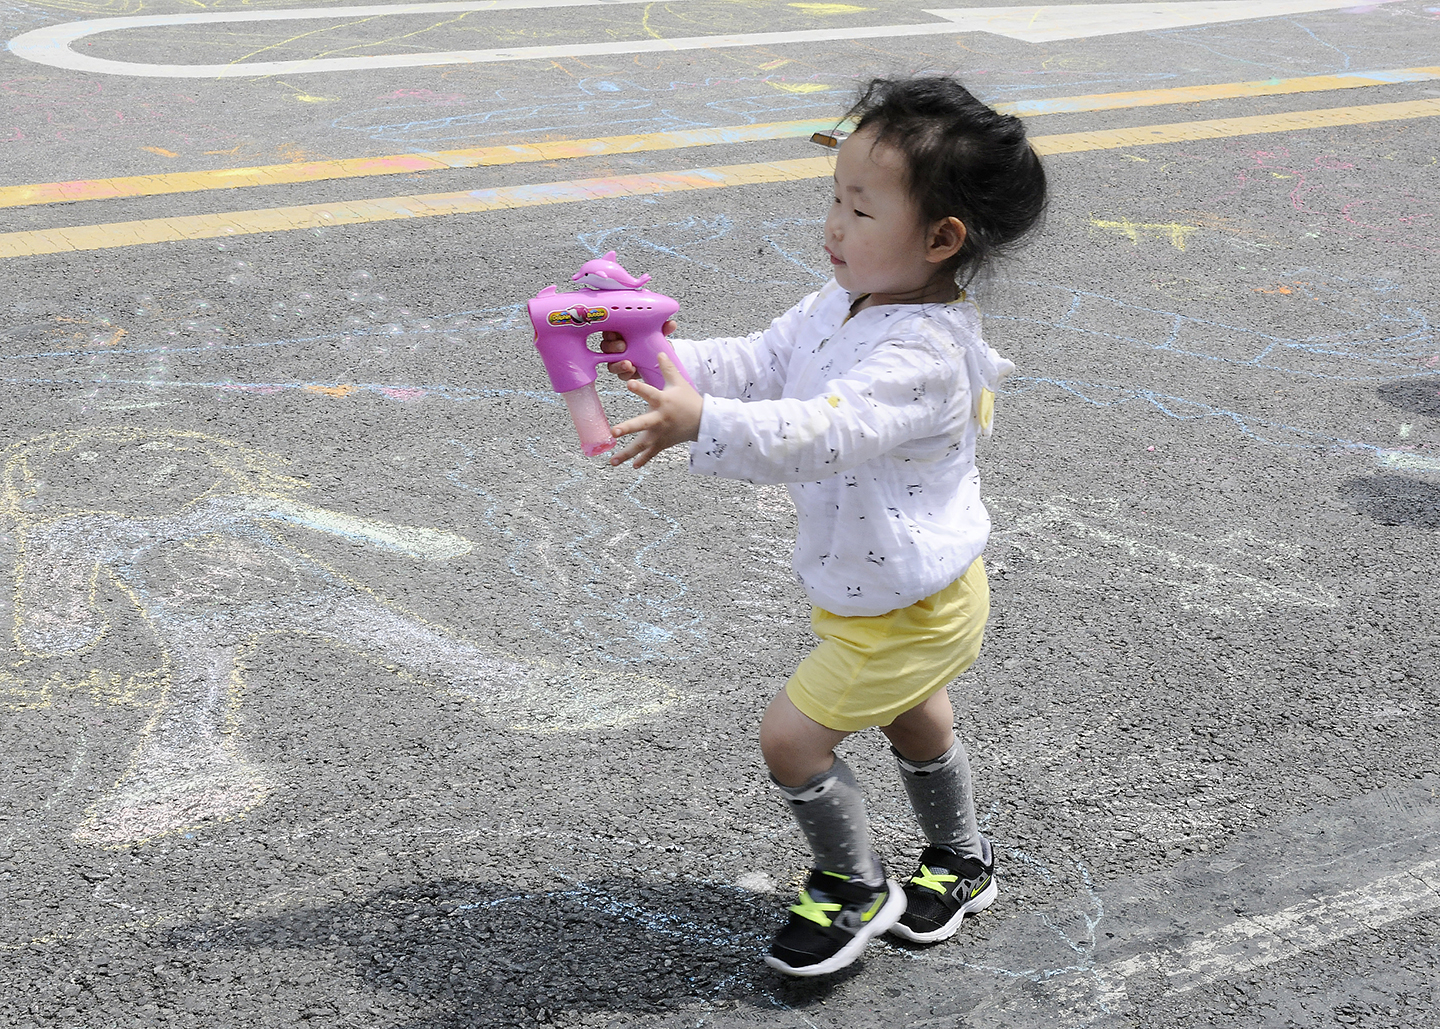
x,y
609,299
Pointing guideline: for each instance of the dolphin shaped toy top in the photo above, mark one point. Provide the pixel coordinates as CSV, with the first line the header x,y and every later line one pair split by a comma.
x,y
606,273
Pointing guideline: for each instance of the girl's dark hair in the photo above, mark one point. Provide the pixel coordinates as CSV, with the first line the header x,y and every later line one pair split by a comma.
x,y
965,161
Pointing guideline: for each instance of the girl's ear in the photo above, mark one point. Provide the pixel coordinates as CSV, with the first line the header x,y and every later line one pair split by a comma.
x,y
947,236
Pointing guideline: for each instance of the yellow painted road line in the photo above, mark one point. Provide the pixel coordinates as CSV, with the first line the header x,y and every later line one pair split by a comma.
x,y
314,216
1217,91
397,164
522,153
1224,128
310,216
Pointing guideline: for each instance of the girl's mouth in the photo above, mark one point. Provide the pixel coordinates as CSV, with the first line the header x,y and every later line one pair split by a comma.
x,y
833,258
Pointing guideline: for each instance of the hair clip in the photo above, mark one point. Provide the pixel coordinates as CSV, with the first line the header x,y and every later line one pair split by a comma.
x,y
829,139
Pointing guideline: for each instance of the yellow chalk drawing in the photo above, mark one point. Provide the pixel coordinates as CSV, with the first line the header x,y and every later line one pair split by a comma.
x,y
196,542
296,154
344,389
1173,231
160,150
20,692
304,97
829,8
801,87
99,332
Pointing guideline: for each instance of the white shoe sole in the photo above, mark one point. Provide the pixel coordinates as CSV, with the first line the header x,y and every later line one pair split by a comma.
x,y
972,906
885,919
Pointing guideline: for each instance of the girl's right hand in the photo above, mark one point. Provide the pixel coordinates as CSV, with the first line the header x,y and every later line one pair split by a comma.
x,y
613,343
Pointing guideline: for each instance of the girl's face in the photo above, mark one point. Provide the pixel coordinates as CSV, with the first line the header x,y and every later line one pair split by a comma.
x,y
873,233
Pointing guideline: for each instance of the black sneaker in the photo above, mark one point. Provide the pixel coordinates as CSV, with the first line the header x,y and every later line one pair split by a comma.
x,y
946,889
834,920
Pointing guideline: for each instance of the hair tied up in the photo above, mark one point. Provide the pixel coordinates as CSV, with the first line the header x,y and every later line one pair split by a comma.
x,y
965,160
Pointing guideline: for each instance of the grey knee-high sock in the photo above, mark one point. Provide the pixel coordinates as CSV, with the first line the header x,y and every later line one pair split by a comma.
x,y
831,813
943,801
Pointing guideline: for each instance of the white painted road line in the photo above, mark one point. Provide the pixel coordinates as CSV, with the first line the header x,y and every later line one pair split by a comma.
x,y
52,44
1276,895
1254,941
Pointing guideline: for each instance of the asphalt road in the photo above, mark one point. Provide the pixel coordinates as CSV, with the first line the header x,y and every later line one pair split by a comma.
x,y
340,689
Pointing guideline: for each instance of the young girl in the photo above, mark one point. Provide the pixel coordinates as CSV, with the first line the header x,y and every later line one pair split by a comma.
x,y
866,399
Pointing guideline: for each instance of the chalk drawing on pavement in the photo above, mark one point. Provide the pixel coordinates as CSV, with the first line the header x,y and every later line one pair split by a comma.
x,y
1228,354
1260,429
52,45
1086,540
575,535
706,244
199,538
586,107
1360,194
1359,339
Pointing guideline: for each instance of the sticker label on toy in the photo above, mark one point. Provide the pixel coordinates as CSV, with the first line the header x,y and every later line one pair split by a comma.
x,y
578,315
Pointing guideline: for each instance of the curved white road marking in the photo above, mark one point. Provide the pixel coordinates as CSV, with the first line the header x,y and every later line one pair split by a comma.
x,y
52,45
1254,941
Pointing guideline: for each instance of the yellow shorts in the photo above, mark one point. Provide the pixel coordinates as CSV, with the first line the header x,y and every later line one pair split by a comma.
x,y
868,671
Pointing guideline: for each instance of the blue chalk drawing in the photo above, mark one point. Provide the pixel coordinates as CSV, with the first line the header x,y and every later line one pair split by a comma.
x,y
707,243
1376,345
641,622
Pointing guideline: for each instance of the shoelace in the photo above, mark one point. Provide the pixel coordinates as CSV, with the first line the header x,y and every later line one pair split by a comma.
x,y
814,910
931,881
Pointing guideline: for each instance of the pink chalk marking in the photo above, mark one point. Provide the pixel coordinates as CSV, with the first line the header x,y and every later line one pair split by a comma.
x,y
87,189
402,392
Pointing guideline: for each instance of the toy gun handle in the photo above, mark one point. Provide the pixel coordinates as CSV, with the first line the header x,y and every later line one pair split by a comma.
x,y
610,300
644,353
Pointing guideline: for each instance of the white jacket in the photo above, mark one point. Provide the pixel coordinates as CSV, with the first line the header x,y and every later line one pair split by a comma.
x,y
872,424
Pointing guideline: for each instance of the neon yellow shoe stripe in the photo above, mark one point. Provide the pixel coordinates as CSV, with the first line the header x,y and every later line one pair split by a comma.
x,y
931,881
879,901
810,909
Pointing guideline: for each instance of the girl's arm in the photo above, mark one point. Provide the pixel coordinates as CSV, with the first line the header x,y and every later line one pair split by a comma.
x,y
746,368
901,392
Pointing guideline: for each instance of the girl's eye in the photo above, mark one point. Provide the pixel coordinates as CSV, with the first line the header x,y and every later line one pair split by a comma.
x,y
860,214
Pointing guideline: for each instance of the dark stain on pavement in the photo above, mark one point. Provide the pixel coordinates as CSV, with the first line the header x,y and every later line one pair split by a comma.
x,y
1418,396
1395,500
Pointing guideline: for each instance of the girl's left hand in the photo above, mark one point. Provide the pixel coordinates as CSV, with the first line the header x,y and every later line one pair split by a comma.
x,y
674,416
